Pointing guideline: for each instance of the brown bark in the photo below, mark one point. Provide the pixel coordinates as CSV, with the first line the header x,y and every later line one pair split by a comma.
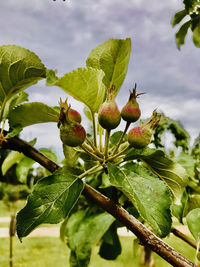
x,y
185,238
147,238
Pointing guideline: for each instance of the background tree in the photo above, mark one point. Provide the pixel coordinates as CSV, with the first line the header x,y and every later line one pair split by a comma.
x,y
192,11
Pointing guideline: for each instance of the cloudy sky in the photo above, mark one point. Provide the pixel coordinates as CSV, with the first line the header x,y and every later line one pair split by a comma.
x,y
62,34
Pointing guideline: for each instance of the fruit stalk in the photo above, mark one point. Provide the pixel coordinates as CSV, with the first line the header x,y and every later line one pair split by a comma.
x,y
107,137
93,147
86,149
101,132
90,171
94,129
121,138
120,153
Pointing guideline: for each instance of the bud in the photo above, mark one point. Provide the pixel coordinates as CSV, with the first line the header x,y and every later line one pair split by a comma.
x,y
109,115
71,132
131,111
140,136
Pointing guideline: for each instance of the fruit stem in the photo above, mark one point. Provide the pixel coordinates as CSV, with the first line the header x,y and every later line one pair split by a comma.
x,y
197,251
121,138
120,153
86,148
101,132
94,148
89,171
94,129
107,137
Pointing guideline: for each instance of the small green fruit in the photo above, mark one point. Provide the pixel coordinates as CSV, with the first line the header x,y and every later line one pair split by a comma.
x,y
74,115
131,111
109,115
72,134
140,136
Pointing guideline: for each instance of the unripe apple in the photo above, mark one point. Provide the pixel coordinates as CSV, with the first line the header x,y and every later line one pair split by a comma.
x,y
74,115
72,132
109,115
140,136
131,111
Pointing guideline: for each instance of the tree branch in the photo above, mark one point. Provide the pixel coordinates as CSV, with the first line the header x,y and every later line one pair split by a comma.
x,y
147,238
184,237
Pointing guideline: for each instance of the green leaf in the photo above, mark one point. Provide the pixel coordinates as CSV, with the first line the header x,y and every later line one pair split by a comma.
x,y
85,85
196,35
87,113
193,219
139,153
150,195
71,155
32,113
114,139
193,202
51,77
14,101
23,168
50,202
83,231
13,157
63,229
178,17
172,173
112,57
181,34
14,132
19,68
110,247
188,4
187,162
179,210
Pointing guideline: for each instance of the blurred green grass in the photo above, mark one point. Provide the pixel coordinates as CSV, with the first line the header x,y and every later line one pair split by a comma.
x,y
51,252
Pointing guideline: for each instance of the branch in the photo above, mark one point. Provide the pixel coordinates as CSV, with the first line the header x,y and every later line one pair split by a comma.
x,y
147,238
184,237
